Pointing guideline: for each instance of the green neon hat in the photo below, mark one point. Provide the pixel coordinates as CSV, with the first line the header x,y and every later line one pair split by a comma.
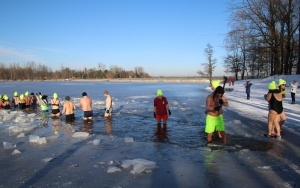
x,y
272,85
281,82
215,83
159,92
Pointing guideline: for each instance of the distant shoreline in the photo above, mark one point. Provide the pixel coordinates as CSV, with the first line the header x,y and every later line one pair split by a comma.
x,y
152,80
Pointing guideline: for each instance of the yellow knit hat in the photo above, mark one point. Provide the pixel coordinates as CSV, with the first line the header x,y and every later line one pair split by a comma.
x,y
5,97
281,81
272,85
55,95
159,92
215,83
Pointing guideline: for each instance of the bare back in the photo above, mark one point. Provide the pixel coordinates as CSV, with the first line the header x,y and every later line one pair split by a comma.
x,y
86,103
68,108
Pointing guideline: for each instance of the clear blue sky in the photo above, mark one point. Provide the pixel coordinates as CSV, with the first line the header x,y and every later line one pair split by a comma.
x,y
165,37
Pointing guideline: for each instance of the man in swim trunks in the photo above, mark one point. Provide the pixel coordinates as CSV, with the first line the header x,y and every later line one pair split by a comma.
x,y
108,104
68,109
86,106
214,118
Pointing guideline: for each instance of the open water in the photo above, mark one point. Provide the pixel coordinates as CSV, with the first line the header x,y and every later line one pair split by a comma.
x,y
132,109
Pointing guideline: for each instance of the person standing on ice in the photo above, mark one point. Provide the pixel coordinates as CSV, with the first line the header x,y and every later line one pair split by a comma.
x,y
248,86
281,88
161,108
294,87
214,117
274,97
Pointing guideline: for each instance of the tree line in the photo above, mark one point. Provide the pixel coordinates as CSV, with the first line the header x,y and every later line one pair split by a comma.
x,y
34,71
263,40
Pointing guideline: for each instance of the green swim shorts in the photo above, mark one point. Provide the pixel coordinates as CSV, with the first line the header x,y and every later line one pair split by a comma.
x,y
214,123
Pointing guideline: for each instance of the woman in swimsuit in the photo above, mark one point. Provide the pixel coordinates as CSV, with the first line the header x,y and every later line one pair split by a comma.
x,y
274,97
55,103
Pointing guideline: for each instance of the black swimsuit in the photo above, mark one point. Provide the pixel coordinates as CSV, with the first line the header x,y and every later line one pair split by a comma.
x,y
275,104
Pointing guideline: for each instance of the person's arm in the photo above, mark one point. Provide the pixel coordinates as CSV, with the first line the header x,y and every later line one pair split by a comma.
x,y
209,104
268,97
225,102
64,109
80,102
107,103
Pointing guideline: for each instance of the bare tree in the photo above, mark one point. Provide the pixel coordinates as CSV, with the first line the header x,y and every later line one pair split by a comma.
x,y
273,25
210,64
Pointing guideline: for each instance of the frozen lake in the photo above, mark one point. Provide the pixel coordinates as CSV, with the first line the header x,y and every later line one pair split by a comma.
x,y
181,158
132,109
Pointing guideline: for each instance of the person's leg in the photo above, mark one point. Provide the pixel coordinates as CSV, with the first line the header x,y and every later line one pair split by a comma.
x,y
223,137
209,137
165,119
293,97
277,126
282,118
221,127
270,123
158,119
210,127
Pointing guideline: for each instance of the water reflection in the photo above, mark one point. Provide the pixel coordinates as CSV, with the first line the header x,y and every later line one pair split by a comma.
x,y
108,125
44,119
87,126
161,133
56,126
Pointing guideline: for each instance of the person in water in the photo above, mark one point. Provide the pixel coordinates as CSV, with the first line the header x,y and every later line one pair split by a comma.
x,y
34,100
43,102
108,104
86,106
15,100
68,109
161,108
214,117
27,100
6,102
55,104
22,102
214,84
